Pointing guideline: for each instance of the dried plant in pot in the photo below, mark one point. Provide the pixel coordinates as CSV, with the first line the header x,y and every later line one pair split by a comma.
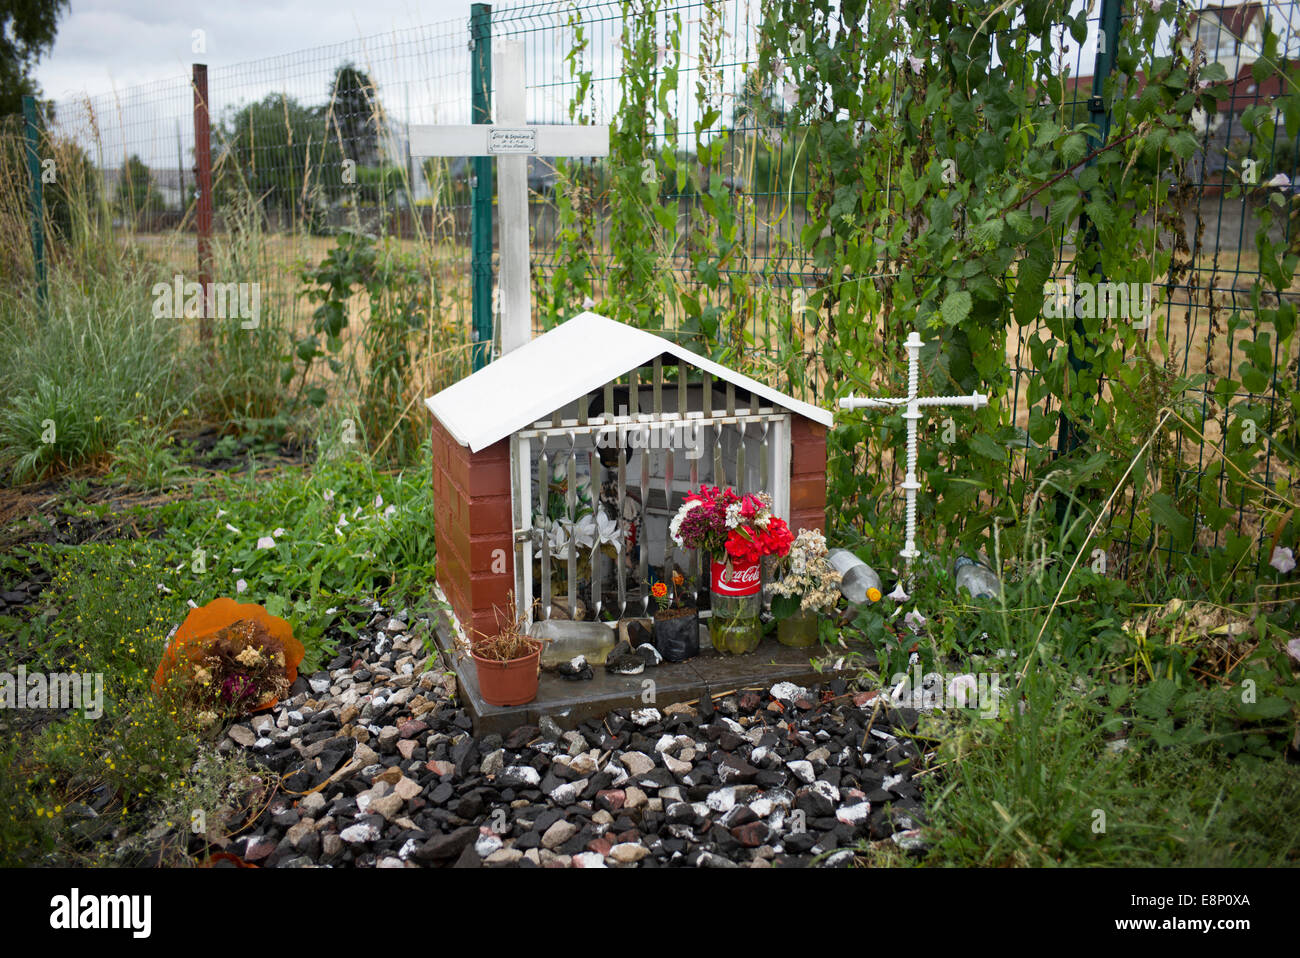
x,y
676,625
506,661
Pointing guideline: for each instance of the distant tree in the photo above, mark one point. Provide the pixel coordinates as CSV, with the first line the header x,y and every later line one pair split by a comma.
x,y
136,195
278,150
354,114
74,194
27,29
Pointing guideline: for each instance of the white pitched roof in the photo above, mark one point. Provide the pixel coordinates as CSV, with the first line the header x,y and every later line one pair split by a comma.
x,y
559,366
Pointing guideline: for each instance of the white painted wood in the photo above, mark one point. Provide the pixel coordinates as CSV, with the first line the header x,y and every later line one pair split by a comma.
x,y
521,489
511,140
780,452
567,362
512,203
478,140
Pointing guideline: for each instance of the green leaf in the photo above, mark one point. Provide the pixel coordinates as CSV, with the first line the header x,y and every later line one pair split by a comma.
x,y
956,307
1166,514
1073,149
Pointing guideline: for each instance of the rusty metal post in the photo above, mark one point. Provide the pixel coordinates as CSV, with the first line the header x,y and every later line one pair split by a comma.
x,y
203,184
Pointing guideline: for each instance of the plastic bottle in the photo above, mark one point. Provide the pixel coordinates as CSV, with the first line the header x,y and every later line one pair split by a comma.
x,y
856,577
976,579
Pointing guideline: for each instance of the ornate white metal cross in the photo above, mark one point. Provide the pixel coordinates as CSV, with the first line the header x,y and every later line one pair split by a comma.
x,y
913,402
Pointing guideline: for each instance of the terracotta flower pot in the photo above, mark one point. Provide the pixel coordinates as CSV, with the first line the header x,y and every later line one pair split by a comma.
x,y
513,682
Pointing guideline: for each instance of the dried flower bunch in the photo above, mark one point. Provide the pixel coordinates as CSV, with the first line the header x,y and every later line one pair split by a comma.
x,y
509,641
241,669
229,658
809,575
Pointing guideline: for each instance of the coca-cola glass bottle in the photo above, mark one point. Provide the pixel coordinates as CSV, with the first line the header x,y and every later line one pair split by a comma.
x,y
737,599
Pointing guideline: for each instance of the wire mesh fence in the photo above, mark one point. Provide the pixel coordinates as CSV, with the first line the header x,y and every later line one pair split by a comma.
x,y
318,141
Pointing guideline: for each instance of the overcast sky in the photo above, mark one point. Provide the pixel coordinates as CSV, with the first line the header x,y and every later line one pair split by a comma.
x,y
107,44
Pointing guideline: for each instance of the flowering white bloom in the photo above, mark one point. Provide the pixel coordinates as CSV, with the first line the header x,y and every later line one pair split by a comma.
x,y
790,94
222,512
588,302
266,542
240,587
898,595
232,529
916,63
1283,559
914,621
379,502
389,511
328,495
1293,649
278,532
1281,180
962,690
343,521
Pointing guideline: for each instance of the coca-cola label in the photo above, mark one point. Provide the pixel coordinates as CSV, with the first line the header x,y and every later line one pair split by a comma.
x,y
736,579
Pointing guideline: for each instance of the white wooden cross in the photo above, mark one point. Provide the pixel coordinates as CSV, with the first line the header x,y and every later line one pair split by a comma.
x,y
512,140
913,402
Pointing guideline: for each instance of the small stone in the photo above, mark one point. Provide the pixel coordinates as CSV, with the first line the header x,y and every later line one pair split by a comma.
x,y
493,762
567,793
723,800
637,763
676,765
517,776
406,747
787,691
853,814
588,860
406,789
627,853
559,833
634,797
242,735
504,856
802,770
646,716
360,833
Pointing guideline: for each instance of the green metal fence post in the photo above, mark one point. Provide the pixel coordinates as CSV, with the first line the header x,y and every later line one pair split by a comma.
x,y
1068,436
36,202
481,185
